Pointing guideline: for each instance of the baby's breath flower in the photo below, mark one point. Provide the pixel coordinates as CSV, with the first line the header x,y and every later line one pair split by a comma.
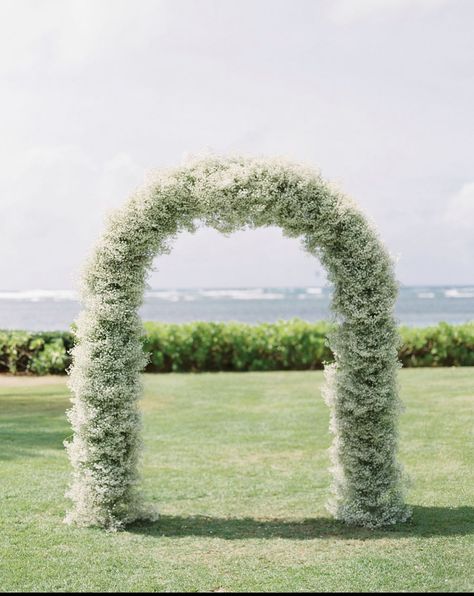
x,y
230,194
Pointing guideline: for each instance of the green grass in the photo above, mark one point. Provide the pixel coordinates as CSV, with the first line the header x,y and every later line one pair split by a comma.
x,y
238,466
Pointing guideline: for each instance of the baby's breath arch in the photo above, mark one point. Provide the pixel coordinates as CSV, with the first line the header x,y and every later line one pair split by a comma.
x,y
229,194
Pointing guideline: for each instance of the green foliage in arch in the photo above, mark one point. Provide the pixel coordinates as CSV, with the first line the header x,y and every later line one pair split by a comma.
x,y
230,194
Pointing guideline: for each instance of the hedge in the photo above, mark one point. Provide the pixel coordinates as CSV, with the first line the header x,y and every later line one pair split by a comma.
x,y
286,345
195,347
35,353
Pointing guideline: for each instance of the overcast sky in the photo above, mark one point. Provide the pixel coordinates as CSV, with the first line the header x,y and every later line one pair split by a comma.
x,y
378,94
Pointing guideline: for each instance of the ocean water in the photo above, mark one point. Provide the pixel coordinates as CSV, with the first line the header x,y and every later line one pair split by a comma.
x,y
416,306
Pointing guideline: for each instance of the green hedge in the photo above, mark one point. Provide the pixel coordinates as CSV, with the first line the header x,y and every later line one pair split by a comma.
x,y
286,345
441,345
37,353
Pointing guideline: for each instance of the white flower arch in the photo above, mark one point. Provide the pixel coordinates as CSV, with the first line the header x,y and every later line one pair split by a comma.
x,y
229,194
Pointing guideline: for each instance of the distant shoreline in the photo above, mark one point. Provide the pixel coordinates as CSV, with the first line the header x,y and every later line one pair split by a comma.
x,y
417,306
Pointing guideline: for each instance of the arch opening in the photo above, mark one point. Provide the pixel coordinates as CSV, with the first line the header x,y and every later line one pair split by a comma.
x,y
361,387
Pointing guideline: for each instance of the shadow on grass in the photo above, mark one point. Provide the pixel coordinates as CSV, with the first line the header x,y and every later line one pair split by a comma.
x,y
31,425
426,522
27,444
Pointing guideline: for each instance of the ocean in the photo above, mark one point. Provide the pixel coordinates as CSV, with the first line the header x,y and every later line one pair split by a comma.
x,y
45,310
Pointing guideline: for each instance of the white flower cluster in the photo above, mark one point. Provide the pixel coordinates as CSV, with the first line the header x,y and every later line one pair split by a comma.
x,y
229,194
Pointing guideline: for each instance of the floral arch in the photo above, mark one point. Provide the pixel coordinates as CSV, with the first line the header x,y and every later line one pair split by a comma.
x,y
361,389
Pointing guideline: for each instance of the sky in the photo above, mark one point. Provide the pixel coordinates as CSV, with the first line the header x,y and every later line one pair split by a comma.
x,y
95,93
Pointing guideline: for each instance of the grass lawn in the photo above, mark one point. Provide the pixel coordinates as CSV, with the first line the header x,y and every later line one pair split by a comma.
x,y
237,463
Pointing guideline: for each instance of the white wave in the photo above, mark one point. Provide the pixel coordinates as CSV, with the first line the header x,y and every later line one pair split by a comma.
x,y
314,291
425,295
247,294
37,295
455,293
168,295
